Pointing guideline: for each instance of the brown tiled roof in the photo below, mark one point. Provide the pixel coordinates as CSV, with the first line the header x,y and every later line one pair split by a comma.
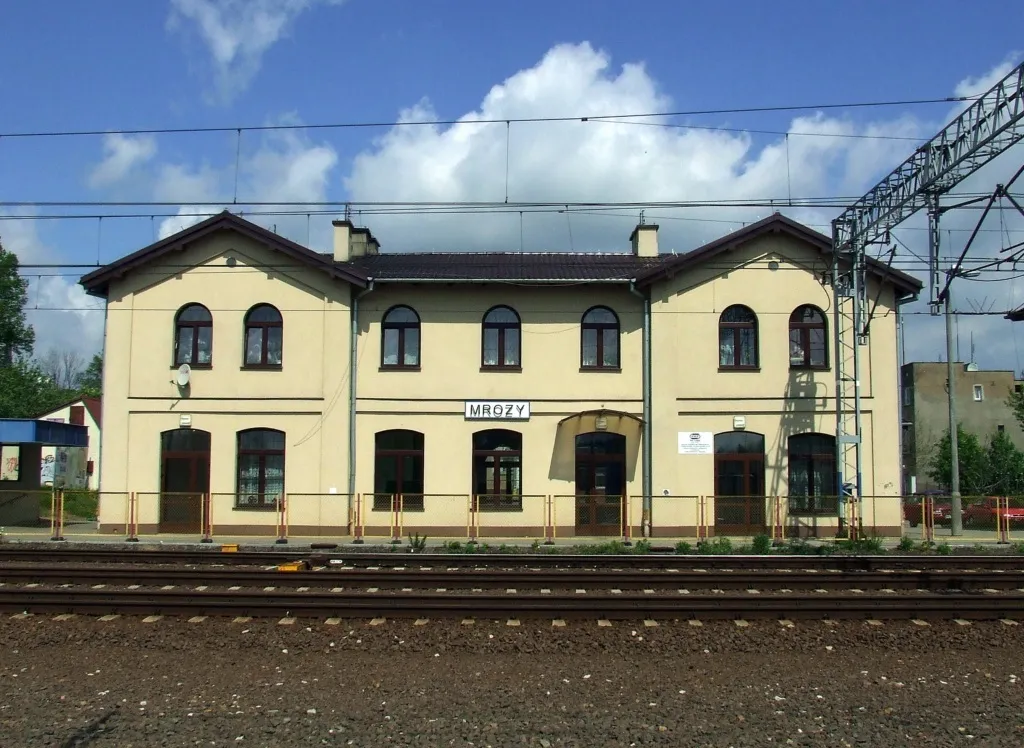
x,y
97,282
776,223
536,267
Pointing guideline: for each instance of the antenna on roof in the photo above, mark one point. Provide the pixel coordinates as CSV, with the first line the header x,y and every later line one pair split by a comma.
x,y
641,218
348,212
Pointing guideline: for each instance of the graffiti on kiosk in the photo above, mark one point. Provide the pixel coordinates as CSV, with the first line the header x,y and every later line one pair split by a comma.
x,y
9,459
63,467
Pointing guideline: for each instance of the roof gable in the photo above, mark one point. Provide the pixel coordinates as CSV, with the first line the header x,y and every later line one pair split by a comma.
x,y
92,404
98,281
774,224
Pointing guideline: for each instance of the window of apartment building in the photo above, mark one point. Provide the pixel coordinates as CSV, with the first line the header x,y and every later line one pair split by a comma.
x,y
1001,428
501,339
260,468
812,474
264,337
737,338
498,470
599,339
398,470
193,336
400,339
979,393
808,348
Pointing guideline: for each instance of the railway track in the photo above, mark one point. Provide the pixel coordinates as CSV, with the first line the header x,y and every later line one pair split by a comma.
x,y
517,579
419,605
214,556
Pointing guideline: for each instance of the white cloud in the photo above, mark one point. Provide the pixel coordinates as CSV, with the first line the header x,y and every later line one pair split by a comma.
x,y
63,316
122,154
237,33
287,168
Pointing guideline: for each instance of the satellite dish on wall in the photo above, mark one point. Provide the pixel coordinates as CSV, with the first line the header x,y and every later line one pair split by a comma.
x,y
184,375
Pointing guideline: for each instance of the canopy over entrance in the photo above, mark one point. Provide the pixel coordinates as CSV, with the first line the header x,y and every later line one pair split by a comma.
x,y
46,433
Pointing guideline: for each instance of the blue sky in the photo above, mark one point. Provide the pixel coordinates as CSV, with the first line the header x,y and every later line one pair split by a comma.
x,y
115,64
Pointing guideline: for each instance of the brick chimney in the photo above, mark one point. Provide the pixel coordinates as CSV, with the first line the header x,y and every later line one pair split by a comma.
x,y
645,240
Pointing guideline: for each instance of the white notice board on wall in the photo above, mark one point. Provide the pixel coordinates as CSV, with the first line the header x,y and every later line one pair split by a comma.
x,y
696,443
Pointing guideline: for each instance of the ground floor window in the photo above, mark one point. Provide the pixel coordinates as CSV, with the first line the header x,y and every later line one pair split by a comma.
x,y
398,470
498,470
812,474
260,468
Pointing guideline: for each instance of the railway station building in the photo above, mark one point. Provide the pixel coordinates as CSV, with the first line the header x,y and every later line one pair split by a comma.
x,y
494,394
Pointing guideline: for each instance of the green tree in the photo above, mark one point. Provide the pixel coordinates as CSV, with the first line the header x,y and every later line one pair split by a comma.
x,y
1015,402
974,470
91,380
1005,466
26,392
16,336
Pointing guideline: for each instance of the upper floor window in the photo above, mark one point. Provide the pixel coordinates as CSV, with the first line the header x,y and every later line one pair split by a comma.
x,y
400,339
264,336
599,339
979,393
260,468
808,347
193,336
737,338
501,338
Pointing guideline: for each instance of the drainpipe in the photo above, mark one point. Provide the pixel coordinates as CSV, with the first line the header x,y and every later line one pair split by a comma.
x,y
646,446
353,357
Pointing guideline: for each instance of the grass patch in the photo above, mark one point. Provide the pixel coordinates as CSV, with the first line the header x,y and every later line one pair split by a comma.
x,y
78,502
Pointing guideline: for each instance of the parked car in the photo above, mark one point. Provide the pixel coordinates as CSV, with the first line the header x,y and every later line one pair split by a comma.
x,y
983,513
942,509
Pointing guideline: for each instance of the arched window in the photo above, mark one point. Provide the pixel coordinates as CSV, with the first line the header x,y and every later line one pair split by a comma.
x,y
737,338
498,470
599,339
398,469
400,339
808,346
193,336
264,337
812,474
260,468
501,339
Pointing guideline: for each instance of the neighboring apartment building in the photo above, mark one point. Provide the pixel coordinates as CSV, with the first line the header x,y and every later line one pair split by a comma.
x,y
64,463
981,410
460,388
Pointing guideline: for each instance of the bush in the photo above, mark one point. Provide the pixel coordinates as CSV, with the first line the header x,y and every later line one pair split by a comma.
x,y
683,548
715,546
944,549
762,545
906,544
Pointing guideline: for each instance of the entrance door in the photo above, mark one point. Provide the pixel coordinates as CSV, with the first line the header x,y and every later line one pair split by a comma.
x,y
184,479
600,483
739,483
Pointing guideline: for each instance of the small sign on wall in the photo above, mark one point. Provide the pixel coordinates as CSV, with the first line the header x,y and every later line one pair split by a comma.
x,y
497,410
696,443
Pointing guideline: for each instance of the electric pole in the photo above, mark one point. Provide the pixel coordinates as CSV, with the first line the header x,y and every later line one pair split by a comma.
x,y
954,447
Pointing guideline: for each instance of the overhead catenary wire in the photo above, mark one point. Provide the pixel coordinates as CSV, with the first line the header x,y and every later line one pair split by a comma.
x,y
480,120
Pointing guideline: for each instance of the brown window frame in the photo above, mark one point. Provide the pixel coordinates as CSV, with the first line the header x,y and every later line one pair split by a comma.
x,y
261,479
735,328
383,501
502,328
265,327
796,324
599,328
401,328
497,500
195,326
819,500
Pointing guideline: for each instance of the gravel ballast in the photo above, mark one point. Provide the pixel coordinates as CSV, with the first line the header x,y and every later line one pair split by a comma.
x,y
127,683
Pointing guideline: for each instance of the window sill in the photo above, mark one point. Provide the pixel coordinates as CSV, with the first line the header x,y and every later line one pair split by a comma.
x,y
809,368
601,369
502,368
399,368
175,367
254,508
260,367
739,369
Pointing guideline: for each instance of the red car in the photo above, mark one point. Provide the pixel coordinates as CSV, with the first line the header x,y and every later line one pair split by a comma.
x,y
984,512
942,510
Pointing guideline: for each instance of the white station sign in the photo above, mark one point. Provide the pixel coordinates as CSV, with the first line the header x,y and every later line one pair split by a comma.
x,y
696,443
497,410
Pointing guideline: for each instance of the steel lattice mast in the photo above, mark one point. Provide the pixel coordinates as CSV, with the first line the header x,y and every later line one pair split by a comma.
x,y
990,125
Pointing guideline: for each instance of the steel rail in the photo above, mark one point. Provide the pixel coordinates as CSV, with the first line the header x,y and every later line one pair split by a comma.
x,y
460,578
350,605
837,562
